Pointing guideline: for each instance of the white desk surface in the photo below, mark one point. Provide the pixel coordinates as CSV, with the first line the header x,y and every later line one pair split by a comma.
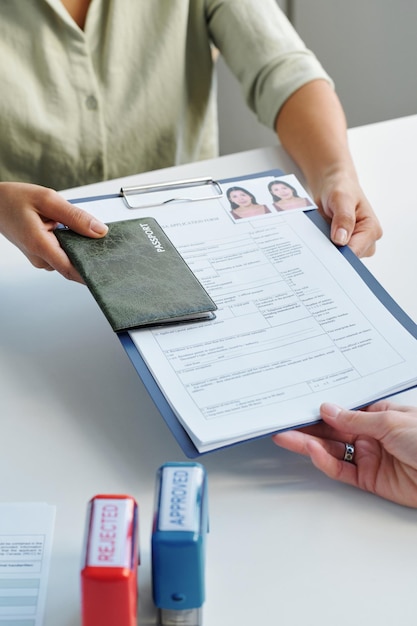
x,y
287,546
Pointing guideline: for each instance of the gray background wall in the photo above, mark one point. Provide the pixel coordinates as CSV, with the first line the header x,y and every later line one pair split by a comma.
x,y
369,47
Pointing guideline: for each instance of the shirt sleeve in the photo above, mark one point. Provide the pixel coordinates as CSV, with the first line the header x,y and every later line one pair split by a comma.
x,y
263,51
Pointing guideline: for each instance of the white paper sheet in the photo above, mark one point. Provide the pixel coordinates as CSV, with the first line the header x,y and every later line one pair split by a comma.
x,y
26,532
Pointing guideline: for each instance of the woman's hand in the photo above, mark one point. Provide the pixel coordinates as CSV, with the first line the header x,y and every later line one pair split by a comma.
x,y
28,216
341,200
311,126
385,441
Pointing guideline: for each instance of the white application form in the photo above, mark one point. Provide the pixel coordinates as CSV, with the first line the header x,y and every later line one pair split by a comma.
x,y
26,531
296,326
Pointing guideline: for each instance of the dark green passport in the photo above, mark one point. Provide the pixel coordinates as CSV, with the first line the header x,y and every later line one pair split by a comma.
x,y
137,276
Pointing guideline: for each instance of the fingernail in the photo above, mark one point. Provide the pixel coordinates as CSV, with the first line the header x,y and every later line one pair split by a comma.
x,y
332,410
98,227
341,236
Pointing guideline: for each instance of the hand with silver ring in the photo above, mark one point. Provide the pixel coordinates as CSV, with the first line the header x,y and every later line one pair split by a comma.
x,y
374,449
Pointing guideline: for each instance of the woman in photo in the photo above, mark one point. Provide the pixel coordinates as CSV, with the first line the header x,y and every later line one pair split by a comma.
x,y
244,204
285,196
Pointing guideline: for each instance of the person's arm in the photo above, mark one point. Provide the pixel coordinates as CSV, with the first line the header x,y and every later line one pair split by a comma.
x,y
385,448
311,126
28,216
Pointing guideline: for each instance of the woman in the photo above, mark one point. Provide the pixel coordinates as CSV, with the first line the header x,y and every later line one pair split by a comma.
x,y
244,204
98,123
285,196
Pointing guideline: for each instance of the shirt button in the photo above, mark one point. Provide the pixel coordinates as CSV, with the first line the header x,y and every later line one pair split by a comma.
x,y
91,103
95,169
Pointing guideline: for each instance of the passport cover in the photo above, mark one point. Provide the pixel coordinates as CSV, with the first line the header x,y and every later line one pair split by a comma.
x,y
137,276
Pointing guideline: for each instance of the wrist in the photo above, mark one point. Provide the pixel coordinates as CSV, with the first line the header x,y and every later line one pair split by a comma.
x,y
340,176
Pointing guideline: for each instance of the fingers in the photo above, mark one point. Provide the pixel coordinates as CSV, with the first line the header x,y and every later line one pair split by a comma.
x,y
366,233
300,443
353,221
325,454
332,465
339,206
52,257
386,405
59,210
81,222
357,230
40,263
374,424
359,244
293,440
389,426
343,224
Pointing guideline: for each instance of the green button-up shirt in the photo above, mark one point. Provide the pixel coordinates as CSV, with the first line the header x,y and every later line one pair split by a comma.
x,y
133,91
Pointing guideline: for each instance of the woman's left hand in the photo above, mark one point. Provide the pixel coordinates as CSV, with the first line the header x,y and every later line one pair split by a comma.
x,y
384,437
311,126
353,222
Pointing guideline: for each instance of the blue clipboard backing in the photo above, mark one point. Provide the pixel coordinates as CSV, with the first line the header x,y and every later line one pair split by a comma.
x,y
180,434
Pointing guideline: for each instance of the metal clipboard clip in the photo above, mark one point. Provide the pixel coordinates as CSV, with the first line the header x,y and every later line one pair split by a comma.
x,y
136,190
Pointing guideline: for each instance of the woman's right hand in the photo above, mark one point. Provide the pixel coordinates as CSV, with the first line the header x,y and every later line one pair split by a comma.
x,y
28,216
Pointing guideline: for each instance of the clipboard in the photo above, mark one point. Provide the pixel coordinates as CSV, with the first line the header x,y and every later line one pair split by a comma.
x,y
196,192
189,184
148,380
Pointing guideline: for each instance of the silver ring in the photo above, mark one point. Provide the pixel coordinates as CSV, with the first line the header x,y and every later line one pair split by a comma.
x,y
349,452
